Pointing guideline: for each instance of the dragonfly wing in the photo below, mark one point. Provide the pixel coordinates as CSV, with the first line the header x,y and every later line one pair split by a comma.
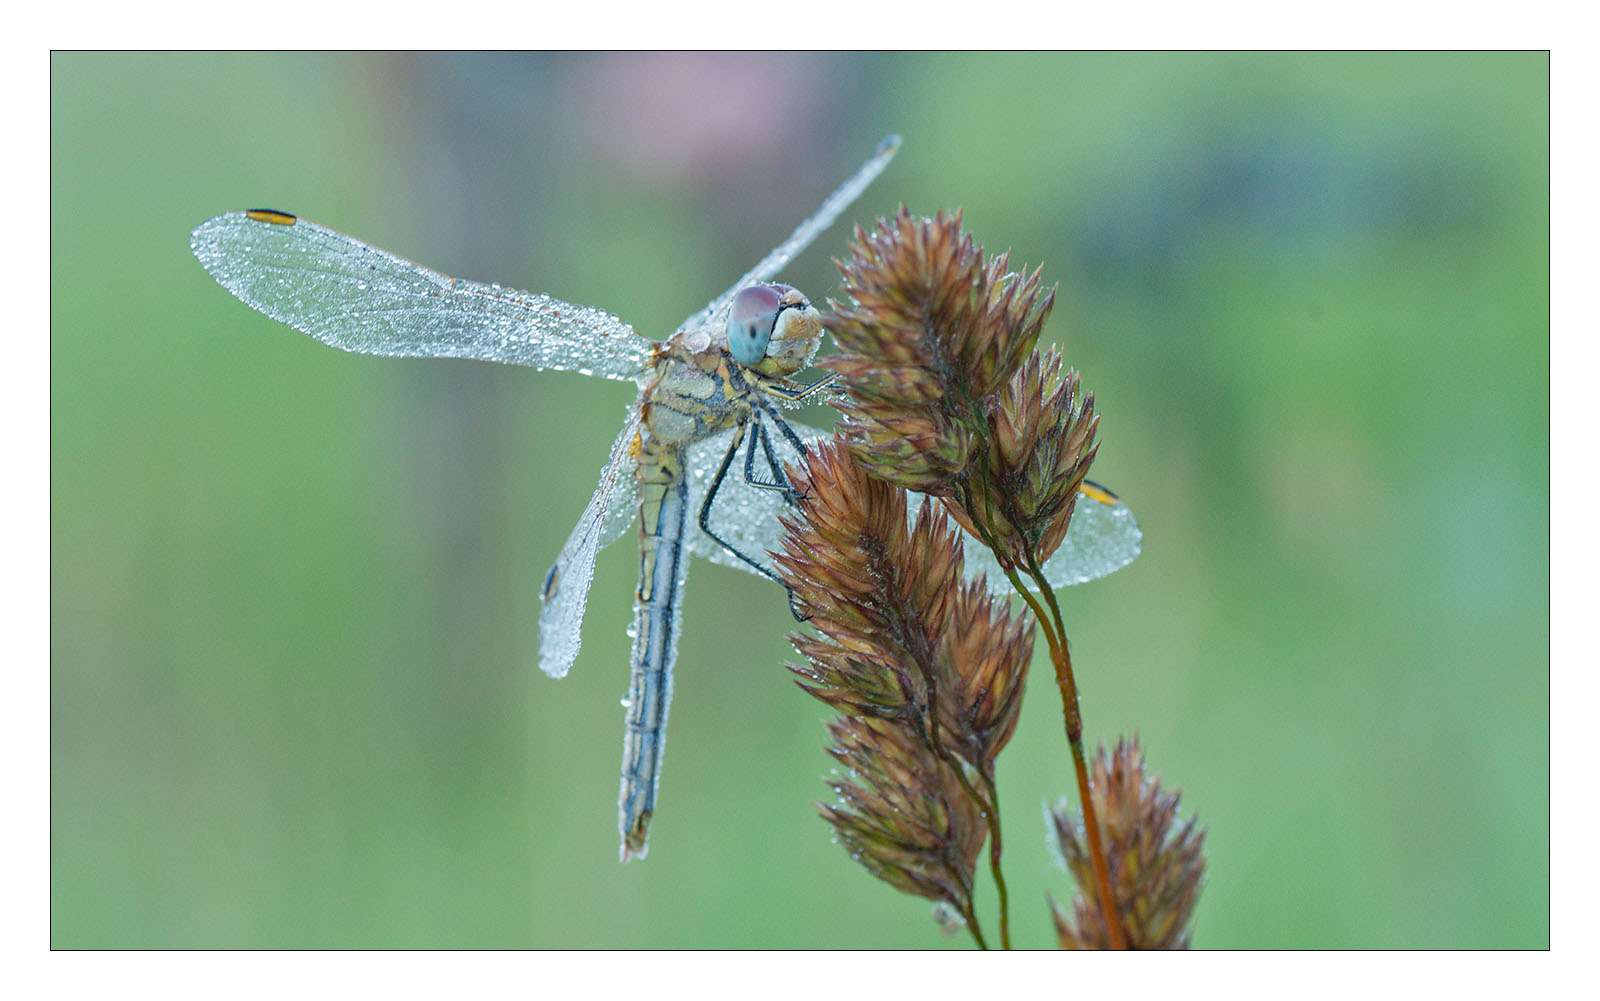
x,y
566,588
1103,536
358,298
807,231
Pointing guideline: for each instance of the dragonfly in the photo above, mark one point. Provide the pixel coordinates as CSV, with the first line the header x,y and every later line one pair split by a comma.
x,y
717,385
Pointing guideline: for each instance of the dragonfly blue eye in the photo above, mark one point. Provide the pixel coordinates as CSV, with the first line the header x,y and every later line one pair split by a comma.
x,y
750,321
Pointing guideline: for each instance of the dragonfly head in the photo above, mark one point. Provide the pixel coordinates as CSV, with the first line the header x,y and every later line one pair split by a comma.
x,y
773,329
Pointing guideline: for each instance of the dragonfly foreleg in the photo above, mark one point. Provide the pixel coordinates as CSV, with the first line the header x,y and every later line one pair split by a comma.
x,y
711,497
794,441
761,436
788,433
804,393
778,481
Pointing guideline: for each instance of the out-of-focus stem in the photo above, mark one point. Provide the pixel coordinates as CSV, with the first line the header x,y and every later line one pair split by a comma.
x,y
972,926
994,860
1068,686
990,805
1097,853
1055,635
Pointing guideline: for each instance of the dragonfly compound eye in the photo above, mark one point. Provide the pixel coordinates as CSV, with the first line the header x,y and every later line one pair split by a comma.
x,y
750,321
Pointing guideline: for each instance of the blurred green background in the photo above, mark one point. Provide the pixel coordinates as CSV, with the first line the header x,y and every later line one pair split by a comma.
x,y
294,688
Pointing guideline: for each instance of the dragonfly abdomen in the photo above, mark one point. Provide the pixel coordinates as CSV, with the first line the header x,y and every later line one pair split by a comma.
x,y
663,510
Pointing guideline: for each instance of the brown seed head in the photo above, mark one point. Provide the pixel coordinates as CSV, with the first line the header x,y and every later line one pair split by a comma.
x,y
901,813
930,332
1156,863
1041,442
926,669
982,664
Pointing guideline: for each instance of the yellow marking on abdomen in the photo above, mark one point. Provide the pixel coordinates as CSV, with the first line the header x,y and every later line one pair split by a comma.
x,y
273,216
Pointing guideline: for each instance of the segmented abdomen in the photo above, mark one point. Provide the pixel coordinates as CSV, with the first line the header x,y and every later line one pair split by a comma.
x,y
663,509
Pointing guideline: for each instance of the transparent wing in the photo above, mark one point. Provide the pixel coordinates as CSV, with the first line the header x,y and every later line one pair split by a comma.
x,y
358,298
621,516
807,231
1103,536
1102,539
566,588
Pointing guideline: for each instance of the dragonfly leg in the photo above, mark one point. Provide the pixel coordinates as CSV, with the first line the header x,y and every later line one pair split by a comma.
x,y
804,392
716,485
794,441
794,607
789,492
788,432
711,497
778,481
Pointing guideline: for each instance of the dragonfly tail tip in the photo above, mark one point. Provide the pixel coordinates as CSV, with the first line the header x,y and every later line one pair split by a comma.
x,y
634,844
